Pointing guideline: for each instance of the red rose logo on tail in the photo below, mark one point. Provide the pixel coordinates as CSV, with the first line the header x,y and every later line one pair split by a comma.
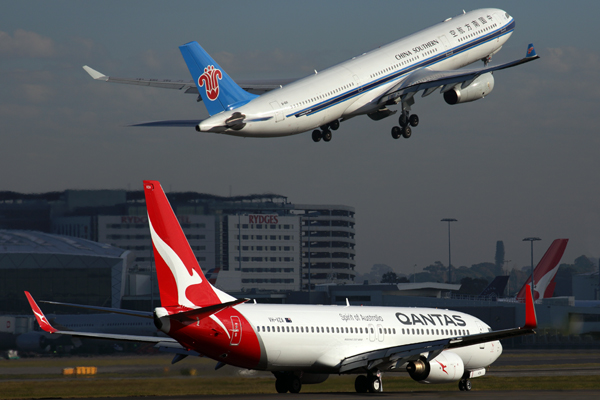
x,y
210,78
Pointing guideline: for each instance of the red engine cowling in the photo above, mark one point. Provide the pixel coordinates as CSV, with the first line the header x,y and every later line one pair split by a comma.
x,y
478,89
447,367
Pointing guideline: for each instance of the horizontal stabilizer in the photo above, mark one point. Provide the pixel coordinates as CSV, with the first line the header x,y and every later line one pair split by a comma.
x,y
200,313
181,123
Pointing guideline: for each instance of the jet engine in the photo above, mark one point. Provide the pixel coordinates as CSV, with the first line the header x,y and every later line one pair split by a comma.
x,y
447,367
33,341
478,89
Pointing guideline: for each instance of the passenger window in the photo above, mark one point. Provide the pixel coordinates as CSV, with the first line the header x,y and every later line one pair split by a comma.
x,y
312,329
277,329
394,330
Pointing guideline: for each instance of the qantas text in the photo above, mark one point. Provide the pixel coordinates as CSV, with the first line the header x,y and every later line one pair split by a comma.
x,y
426,319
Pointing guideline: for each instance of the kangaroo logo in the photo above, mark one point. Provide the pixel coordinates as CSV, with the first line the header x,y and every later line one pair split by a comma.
x,y
210,79
443,367
183,277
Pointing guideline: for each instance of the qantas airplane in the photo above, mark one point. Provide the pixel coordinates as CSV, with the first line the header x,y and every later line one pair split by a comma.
x,y
302,344
545,272
367,84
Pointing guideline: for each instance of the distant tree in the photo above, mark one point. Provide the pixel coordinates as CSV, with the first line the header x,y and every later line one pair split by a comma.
x,y
389,277
392,277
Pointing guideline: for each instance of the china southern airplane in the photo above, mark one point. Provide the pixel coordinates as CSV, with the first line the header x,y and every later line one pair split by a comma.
x,y
367,84
302,344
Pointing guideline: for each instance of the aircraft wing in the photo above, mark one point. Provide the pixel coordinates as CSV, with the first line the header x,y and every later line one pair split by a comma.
x,y
133,313
47,327
397,355
252,86
429,80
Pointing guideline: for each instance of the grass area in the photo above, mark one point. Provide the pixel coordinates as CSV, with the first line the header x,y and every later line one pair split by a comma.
x,y
97,361
176,386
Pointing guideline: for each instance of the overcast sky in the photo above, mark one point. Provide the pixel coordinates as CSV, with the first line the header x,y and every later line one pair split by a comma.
x,y
524,161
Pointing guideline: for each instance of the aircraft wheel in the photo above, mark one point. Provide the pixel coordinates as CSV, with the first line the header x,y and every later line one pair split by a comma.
x,y
413,120
464,385
316,135
406,132
295,384
396,132
326,136
403,120
375,384
334,125
361,384
281,385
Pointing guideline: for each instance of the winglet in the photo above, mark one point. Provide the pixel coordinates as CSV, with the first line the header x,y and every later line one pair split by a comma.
x,y
39,315
530,317
530,51
95,74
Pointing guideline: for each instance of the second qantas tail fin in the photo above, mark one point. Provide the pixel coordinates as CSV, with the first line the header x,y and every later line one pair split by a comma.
x,y
180,280
544,272
218,91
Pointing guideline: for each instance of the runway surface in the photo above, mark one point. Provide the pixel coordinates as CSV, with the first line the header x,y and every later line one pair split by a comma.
x,y
493,395
523,363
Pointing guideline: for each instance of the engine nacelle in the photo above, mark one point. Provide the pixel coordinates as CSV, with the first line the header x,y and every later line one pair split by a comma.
x,y
32,341
478,89
447,367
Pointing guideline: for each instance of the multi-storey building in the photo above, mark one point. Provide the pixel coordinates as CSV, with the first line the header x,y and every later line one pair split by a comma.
x,y
254,242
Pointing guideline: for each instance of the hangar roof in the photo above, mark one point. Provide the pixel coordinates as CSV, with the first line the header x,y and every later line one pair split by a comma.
x,y
22,241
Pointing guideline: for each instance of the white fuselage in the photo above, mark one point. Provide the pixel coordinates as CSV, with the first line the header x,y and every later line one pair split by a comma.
x,y
317,338
357,86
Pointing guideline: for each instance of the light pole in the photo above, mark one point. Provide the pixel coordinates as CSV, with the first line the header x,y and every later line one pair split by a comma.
x,y
448,220
532,239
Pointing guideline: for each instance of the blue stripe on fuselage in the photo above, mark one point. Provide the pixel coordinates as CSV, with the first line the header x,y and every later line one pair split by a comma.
x,y
402,73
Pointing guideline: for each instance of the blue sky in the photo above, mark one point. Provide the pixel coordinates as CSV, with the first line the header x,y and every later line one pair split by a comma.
x,y
522,162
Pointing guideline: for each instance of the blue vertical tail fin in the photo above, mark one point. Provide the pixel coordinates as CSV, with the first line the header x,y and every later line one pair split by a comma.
x,y
219,92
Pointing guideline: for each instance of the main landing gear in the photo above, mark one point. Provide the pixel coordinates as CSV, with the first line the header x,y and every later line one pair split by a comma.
x,y
325,132
370,383
464,385
287,383
406,120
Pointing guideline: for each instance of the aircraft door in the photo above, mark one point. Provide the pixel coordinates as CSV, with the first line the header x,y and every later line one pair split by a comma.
x,y
357,83
444,41
278,111
236,331
371,329
380,333
481,345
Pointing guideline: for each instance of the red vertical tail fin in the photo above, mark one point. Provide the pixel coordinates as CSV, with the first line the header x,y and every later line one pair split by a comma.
x,y
545,271
180,279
